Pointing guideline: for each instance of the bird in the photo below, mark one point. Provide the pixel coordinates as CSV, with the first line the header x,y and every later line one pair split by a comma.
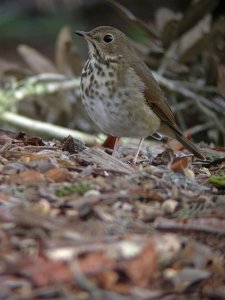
x,y
120,94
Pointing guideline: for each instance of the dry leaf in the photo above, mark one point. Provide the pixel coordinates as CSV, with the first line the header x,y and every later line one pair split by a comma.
x,y
221,80
35,60
95,263
67,59
27,177
44,272
179,164
58,175
143,267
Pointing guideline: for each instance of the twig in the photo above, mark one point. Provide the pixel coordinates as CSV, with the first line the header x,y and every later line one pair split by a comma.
x,y
200,127
182,105
197,87
46,77
178,113
133,19
168,57
203,103
34,86
47,129
169,225
83,281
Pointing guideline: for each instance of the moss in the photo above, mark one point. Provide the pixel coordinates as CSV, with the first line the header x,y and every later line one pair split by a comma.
x,y
79,188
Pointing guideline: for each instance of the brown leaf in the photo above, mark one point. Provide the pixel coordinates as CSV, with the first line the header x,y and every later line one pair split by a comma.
x,y
36,61
143,267
221,80
4,197
67,58
95,263
34,141
179,164
27,177
108,280
44,272
58,175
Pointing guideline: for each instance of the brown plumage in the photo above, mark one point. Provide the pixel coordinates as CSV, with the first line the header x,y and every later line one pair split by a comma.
x,y
158,103
120,93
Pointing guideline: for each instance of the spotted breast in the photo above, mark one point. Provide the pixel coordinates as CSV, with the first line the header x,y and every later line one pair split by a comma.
x,y
111,105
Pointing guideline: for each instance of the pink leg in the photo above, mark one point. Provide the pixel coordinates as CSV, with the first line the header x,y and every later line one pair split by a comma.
x,y
115,147
138,150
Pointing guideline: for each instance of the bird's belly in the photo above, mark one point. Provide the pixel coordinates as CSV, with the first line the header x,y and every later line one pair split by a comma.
x,y
118,108
119,115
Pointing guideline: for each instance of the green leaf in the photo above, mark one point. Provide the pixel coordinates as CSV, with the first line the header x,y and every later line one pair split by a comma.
x,y
217,180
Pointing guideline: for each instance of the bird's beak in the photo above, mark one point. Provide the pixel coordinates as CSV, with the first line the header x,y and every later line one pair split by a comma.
x,y
83,34
80,33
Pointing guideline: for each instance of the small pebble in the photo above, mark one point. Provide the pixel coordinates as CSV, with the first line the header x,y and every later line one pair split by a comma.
x,y
169,206
92,193
42,207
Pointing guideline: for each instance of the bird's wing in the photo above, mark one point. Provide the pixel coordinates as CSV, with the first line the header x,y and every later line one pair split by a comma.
x,y
157,102
153,94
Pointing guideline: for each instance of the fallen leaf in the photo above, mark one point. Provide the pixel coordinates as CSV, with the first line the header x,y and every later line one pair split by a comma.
x,y
34,141
58,175
95,263
179,164
35,60
108,280
4,197
27,177
143,267
44,272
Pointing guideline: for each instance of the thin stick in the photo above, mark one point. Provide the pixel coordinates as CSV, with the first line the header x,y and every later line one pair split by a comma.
x,y
138,150
46,129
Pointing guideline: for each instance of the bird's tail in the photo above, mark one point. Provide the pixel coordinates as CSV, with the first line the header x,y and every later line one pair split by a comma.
x,y
188,144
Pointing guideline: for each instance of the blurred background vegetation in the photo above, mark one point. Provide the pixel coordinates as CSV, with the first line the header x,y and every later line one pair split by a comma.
x,y
183,41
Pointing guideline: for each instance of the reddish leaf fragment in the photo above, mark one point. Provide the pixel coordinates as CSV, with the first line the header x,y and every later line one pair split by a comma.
x,y
108,280
95,263
34,141
58,174
142,268
4,197
27,177
44,272
179,164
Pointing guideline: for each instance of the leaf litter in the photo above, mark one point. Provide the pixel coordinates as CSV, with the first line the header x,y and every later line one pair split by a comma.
x,y
89,224
76,223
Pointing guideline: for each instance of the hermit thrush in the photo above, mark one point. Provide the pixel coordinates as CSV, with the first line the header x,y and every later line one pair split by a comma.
x,y
120,93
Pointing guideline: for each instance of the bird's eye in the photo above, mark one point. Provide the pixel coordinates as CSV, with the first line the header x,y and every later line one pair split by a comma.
x,y
108,38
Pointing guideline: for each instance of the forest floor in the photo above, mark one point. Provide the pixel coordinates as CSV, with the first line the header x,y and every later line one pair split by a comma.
x,y
76,223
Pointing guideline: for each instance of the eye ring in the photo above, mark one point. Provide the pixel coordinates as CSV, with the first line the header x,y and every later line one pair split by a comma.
x,y
108,38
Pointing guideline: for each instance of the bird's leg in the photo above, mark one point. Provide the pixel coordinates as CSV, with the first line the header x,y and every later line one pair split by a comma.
x,y
115,147
138,150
